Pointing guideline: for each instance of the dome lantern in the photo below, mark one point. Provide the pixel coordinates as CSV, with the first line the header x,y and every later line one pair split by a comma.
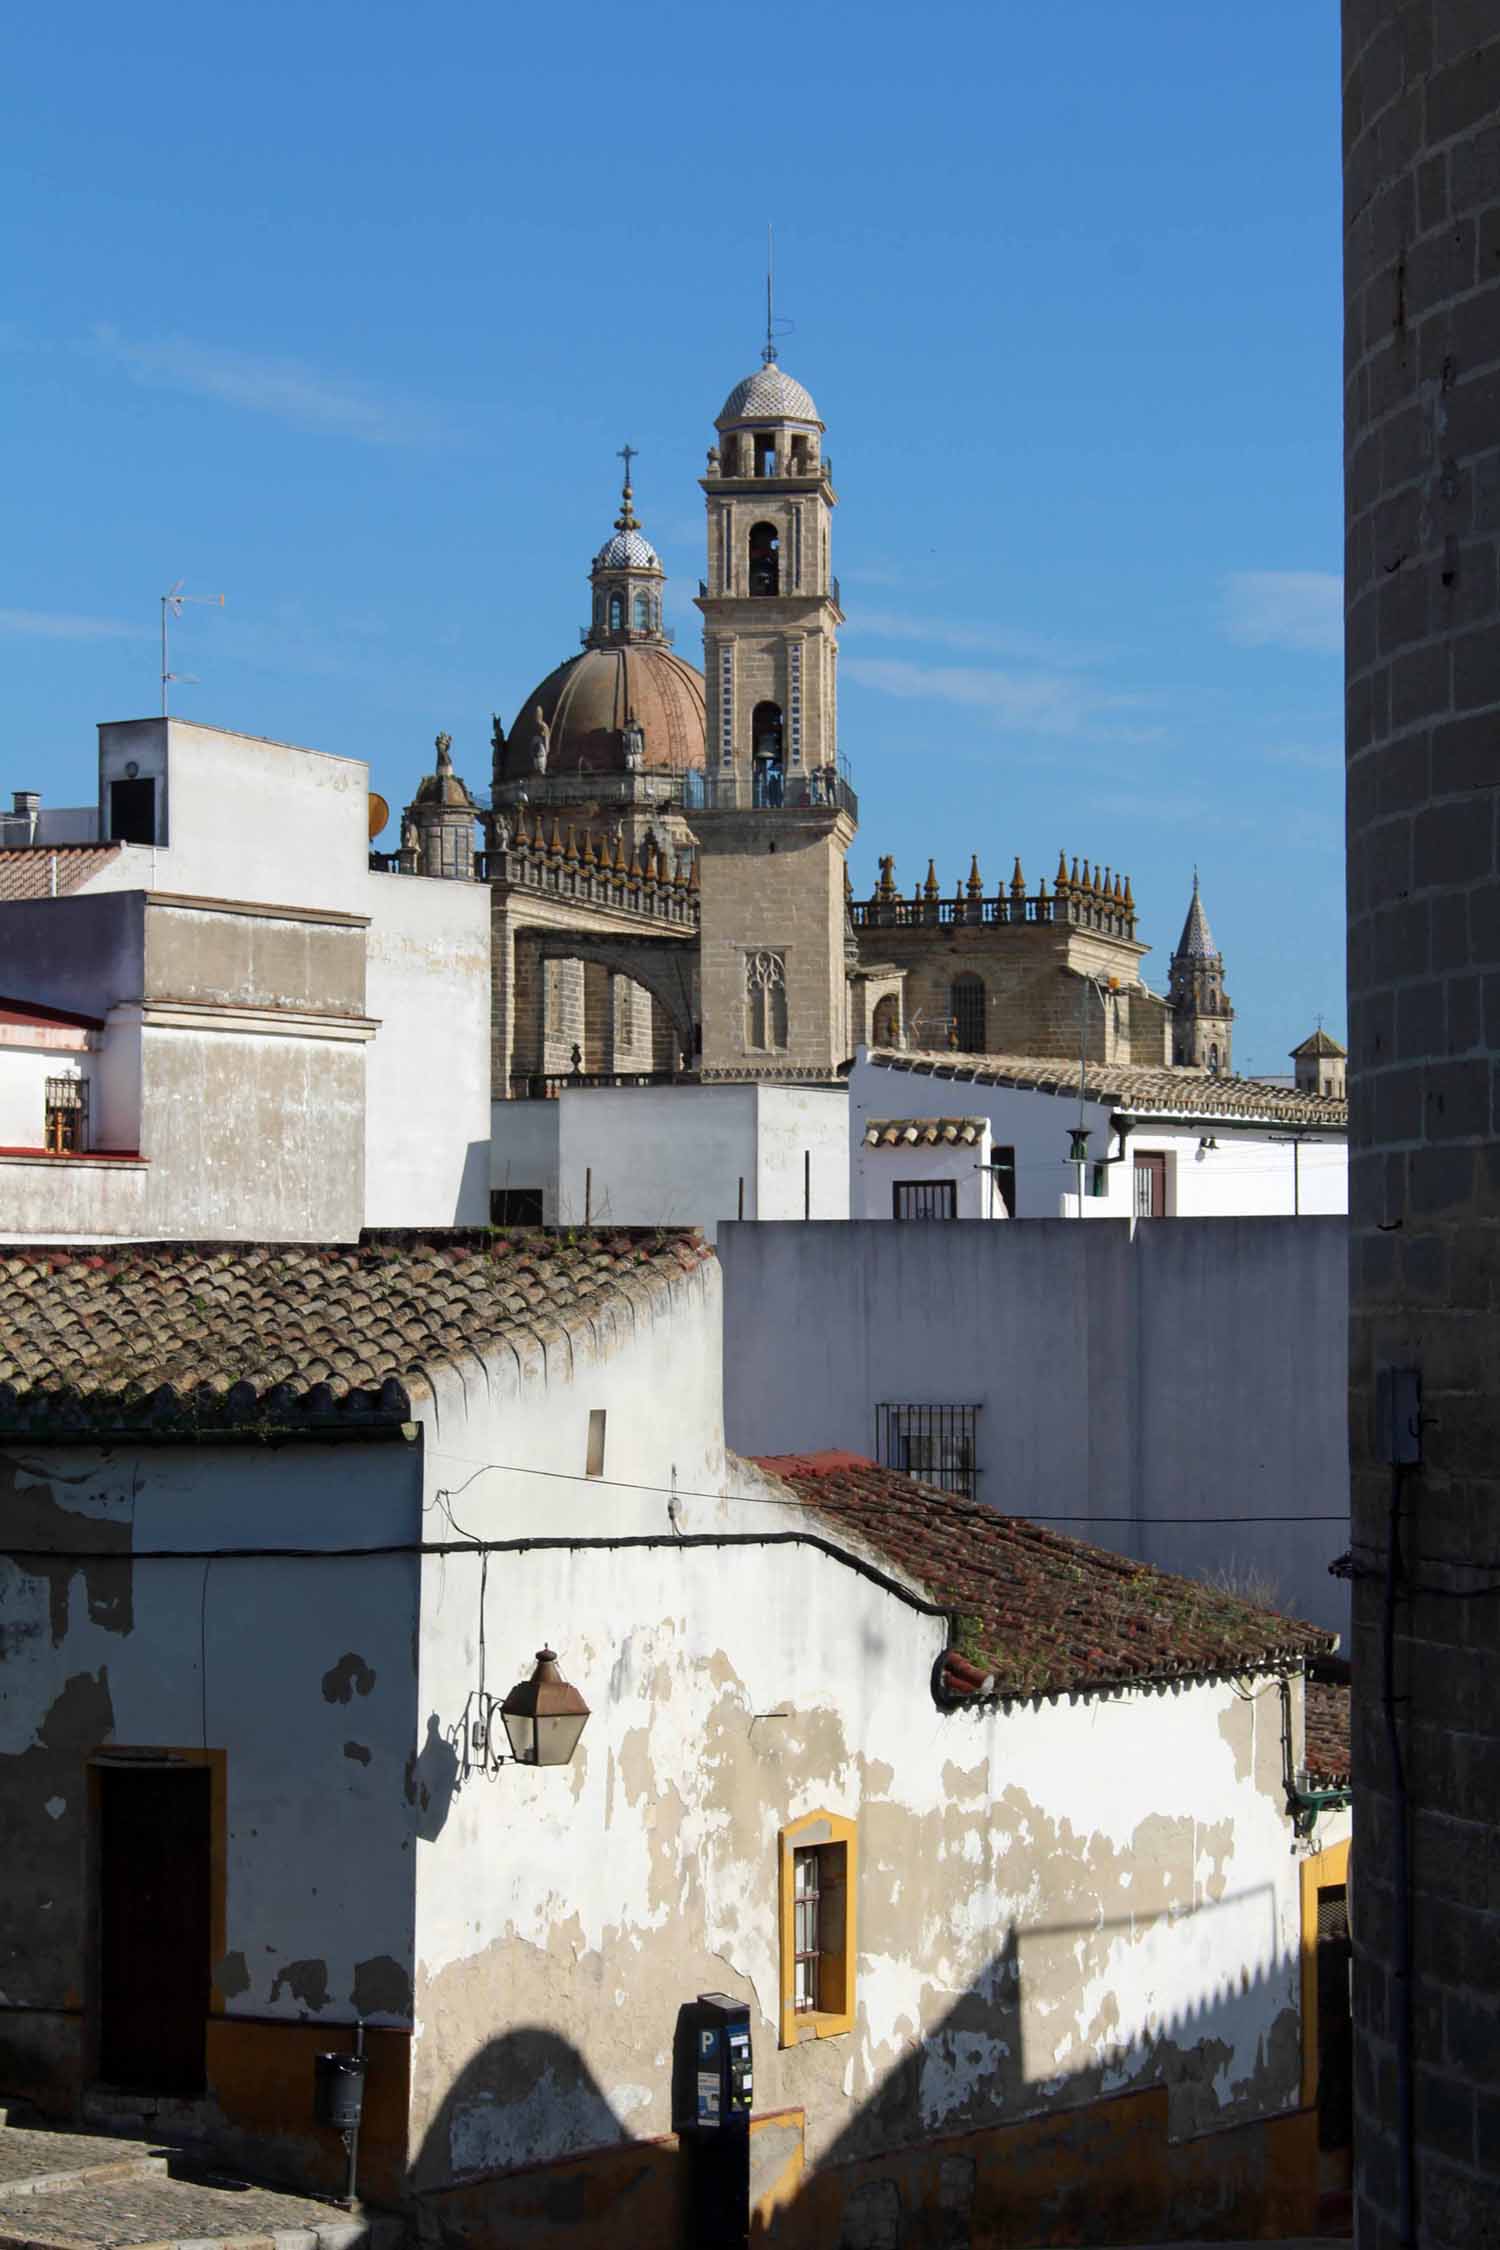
x,y
627,579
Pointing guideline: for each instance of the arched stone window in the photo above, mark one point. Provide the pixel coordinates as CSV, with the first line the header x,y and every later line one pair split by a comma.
x,y
642,618
1213,1061
765,1000
616,612
966,1007
765,559
767,735
885,1030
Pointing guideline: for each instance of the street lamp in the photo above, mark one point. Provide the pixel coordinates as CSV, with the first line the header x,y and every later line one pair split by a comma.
x,y
544,1716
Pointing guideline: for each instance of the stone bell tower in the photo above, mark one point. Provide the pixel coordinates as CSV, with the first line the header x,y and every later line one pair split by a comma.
x,y
1202,1018
777,813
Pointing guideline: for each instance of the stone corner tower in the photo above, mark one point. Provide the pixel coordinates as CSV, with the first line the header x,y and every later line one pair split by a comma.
x,y
776,814
438,826
1202,1018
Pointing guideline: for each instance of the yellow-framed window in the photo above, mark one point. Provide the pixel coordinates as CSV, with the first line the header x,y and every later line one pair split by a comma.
x,y
818,1891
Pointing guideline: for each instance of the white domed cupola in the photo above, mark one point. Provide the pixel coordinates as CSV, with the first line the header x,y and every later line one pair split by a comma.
x,y
628,579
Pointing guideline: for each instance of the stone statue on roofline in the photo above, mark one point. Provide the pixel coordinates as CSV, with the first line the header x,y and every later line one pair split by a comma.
x,y
633,738
539,743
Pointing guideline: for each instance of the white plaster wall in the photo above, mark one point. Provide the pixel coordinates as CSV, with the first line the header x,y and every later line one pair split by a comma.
x,y
967,1165
231,1655
49,1199
523,1149
676,1155
1250,1173
427,981
1186,1372
1124,1859
266,822
24,1072
796,1124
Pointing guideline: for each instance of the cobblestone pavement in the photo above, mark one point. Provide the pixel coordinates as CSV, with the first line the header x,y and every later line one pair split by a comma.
x,y
76,2191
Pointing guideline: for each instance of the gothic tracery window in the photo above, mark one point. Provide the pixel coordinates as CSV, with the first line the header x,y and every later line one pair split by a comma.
x,y
765,1000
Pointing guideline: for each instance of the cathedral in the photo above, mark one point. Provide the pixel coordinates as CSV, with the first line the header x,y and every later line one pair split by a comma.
x,y
666,848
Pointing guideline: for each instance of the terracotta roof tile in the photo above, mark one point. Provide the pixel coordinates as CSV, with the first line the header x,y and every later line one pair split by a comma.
x,y
1327,1756
1197,1094
208,1334
1040,1613
925,1132
26,870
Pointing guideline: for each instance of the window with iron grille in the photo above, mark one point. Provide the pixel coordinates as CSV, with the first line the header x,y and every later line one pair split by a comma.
x,y
67,1116
936,1443
806,1942
966,1006
925,1199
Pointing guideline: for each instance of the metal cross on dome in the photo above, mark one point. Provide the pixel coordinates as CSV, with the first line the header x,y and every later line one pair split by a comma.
x,y
627,454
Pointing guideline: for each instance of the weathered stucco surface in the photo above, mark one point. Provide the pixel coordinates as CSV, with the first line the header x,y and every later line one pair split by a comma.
x,y
1054,1902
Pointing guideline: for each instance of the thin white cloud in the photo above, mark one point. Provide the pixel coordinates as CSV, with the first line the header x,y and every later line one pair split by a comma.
x,y
1055,703
978,640
1294,609
286,389
57,625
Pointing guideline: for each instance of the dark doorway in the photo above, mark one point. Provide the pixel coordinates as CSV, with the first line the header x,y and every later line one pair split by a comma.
x,y
1335,2021
155,1926
132,812
1150,1184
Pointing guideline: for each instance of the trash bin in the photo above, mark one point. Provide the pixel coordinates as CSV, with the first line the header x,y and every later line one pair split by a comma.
x,y
338,2090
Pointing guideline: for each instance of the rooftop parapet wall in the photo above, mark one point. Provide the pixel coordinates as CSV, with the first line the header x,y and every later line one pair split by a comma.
x,y
594,870
1099,900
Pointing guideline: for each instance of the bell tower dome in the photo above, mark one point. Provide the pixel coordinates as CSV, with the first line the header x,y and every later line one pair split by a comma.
x,y
770,602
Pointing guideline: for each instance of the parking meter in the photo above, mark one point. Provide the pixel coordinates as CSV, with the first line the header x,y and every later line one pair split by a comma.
x,y
713,2088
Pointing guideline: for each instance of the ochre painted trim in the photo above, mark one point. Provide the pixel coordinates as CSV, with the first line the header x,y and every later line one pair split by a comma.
x,y
820,1828
1324,1870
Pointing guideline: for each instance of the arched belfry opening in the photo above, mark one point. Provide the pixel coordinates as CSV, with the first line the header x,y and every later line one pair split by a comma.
x,y
767,740
765,559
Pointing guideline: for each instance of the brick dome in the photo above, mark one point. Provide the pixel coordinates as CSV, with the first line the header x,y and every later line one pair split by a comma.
x,y
586,702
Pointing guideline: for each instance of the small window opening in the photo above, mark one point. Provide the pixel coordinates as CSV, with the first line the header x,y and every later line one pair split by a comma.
x,y
515,1207
132,812
924,1199
616,613
595,1464
935,1443
67,1116
966,1006
643,613
1003,1171
765,559
765,453
807,1949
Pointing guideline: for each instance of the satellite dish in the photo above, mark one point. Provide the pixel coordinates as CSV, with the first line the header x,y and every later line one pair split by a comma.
x,y
380,813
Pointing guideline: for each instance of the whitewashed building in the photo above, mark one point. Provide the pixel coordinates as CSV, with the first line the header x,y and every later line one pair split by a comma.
x,y
1140,1143
675,1155
1059,1827
285,1042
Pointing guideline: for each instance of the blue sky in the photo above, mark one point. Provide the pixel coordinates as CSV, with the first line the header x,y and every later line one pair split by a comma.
x,y
344,311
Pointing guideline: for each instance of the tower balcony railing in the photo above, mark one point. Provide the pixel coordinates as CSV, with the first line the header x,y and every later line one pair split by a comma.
x,y
627,636
772,788
1077,909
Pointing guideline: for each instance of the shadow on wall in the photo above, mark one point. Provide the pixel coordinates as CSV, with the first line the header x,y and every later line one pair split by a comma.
x,y
955,2147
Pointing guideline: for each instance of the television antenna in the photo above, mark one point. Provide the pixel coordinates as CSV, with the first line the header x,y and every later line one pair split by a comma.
x,y
174,603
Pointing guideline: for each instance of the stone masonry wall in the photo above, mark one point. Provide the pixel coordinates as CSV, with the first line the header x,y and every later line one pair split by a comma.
x,y
1421,89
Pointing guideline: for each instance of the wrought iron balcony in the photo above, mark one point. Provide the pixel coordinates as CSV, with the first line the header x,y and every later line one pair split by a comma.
x,y
771,788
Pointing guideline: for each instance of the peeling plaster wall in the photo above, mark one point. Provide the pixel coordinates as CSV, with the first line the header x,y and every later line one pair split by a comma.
x,y
303,1674
1054,1903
